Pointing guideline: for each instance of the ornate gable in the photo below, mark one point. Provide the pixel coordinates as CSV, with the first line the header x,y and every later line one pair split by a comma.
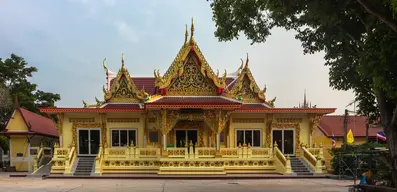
x,y
188,70
123,89
246,89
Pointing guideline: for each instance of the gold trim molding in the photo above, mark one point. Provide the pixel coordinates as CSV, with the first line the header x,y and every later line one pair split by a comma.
x,y
81,120
289,120
248,120
123,120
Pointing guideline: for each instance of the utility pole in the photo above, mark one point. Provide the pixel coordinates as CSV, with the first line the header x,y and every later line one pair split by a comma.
x,y
345,128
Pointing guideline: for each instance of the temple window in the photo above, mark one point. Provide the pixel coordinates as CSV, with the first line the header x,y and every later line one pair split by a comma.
x,y
251,136
123,137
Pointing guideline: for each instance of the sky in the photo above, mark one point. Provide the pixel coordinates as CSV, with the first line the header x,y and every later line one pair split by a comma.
x,y
67,41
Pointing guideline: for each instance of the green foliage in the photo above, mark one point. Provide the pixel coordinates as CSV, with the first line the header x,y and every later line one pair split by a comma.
x,y
345,159
14,74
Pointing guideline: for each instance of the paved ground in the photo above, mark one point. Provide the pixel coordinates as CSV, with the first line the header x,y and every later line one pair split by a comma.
x,y
159,185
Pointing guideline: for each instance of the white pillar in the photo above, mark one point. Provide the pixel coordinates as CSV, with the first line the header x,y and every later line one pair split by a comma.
x,y
165,142
60,141
29,168
144,141
218,142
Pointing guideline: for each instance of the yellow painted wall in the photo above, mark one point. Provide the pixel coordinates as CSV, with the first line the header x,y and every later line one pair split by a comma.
x,y
19,144
17,123
67,132
320,138
257,126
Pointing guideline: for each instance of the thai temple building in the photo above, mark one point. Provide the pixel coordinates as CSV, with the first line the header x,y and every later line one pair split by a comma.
x,y
187,120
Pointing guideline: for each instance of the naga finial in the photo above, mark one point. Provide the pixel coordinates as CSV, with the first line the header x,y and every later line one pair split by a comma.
x,y
97,100
154,73
186,35
85,104
264,89
271,102
217,73
104,64
224,76
246,62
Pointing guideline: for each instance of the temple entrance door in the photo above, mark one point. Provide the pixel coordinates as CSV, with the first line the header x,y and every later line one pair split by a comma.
x,y
285,140
183,137
88,142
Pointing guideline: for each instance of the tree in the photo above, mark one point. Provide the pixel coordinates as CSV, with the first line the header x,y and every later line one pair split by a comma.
x,y
360,49
384,10
14,74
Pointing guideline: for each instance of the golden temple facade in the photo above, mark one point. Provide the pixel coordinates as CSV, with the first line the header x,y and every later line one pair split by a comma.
x,y
189,120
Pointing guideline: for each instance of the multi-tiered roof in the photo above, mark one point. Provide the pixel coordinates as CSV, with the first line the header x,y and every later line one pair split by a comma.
x,y
189,82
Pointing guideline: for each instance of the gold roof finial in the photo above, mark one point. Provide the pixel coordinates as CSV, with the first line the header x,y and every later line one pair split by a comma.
x,y
122,61
186,35
192,33
246,62
104,64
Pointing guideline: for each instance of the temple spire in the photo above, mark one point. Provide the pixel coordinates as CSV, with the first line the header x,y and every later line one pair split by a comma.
x,y
186,35
192,33
122,61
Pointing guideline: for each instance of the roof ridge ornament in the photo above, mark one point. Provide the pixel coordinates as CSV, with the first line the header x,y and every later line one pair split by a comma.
x,y
122,62
104,65
192,42
246,62
186,35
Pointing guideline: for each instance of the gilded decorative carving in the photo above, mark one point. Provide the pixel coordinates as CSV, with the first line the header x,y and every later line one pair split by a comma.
x,y
314,119
104,130
246,88
248,120
123,120
82,125
60,117
123,89
191,81
176,68
289,120
81,120
269,121
165,120
217,120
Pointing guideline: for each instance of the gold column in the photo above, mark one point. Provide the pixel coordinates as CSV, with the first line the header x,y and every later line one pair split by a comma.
x,y
104,130
269,121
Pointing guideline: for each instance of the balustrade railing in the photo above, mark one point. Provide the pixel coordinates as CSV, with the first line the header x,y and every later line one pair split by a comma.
x,y
314,157
282,163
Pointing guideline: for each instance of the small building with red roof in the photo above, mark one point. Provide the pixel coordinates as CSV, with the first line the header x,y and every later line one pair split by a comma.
x,y
27,133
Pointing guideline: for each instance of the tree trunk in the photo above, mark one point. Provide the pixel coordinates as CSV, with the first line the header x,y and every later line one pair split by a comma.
x,y
366,130
379,14
388,116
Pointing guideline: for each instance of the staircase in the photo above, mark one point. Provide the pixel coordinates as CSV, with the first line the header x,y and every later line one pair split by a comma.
x,y
84,166
299,167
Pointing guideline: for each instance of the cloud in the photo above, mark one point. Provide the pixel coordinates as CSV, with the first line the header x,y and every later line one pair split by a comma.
x,y
126,31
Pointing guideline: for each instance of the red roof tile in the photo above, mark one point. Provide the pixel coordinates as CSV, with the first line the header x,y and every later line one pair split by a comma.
x,y
39,124
193,102
253,106
333,124
121,106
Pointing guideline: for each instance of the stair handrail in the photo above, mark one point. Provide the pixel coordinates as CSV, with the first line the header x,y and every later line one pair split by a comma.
x,y
69,161
98,160
283,164
315,162
36,159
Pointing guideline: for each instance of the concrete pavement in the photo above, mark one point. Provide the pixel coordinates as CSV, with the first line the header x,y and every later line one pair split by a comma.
x,y
161,185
